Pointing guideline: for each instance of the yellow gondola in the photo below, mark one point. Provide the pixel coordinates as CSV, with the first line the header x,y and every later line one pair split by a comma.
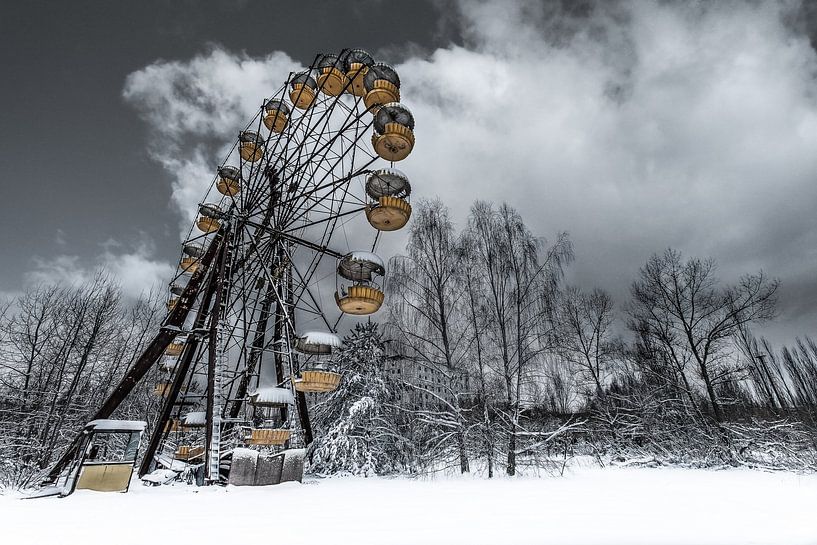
x,y
382,86
332,80
267,437
276,115
250,146
303,90
393,137
357,63
388,190
229,181
363,296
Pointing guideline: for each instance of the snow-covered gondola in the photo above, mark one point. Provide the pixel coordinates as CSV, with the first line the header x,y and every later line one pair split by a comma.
x,y
316,373
271,397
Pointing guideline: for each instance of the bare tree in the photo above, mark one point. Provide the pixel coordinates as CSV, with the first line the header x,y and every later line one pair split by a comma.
x,y
61,349
765,373
682,306
586,338
558,386
520,290
477,312
426,295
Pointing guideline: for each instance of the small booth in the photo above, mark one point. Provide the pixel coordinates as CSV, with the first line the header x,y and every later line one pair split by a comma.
x,y
303,90
382,85
108,455
229,181
388,190
276,115
316,372
250,146
393,137
364,295
356,63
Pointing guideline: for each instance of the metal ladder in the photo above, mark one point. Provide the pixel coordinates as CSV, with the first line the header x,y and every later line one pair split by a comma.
x,y
289,367
214,456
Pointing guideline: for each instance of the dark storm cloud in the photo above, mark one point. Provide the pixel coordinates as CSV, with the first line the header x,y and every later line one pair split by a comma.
x,y
75,170
633,125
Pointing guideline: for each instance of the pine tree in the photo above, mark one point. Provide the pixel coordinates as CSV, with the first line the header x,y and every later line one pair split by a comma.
x,y
360,418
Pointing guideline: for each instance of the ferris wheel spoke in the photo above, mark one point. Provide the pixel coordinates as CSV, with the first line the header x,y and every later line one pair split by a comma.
x,y
343,181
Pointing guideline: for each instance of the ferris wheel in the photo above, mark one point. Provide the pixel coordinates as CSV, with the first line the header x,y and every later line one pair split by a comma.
x,y
298,204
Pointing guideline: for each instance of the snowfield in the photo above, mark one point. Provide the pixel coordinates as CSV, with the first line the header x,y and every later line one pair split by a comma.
x,y
589,506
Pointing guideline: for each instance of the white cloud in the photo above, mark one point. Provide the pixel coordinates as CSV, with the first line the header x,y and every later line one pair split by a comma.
x,y
58,269
639,126
135,270
195,110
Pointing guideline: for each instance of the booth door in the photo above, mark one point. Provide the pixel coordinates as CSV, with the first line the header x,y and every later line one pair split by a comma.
x,y
105,477
108,462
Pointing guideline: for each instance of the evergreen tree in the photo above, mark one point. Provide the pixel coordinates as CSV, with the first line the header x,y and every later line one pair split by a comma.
x,y
361,417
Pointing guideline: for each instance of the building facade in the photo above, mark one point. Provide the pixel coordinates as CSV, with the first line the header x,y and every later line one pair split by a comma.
x,y
426,385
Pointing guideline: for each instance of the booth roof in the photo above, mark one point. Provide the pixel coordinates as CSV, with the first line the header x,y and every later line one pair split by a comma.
x,y
116,425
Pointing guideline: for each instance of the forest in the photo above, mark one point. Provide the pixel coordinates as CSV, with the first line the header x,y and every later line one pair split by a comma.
x,y
530,371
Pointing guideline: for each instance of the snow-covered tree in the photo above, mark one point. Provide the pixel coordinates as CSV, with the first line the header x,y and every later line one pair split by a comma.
x,y
522,279
360,419
62,349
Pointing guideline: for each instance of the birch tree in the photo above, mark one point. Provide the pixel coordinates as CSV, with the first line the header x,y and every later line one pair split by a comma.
x,y
520,294
425,302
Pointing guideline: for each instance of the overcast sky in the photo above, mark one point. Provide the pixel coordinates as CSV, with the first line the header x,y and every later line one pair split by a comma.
x,y
634,126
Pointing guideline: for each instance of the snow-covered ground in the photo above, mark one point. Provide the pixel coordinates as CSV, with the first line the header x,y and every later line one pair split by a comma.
x,y
615,505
